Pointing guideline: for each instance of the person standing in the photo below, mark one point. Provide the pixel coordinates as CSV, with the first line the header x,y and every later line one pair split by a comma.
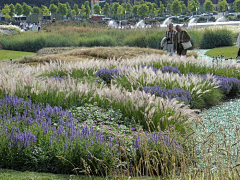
x,y
181,37
238,44
39,26
170,35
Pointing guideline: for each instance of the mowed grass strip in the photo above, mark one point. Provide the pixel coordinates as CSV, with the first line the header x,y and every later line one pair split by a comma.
x,y
6,174
227,52
6,54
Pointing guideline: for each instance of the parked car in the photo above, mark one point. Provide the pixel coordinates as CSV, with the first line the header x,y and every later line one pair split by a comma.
x,y
206,16
106,19
195,16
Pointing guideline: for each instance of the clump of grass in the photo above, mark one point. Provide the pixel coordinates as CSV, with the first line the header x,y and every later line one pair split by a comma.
x,y
216,38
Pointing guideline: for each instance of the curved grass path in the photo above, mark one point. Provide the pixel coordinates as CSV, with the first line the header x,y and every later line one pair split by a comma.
x,y
6,54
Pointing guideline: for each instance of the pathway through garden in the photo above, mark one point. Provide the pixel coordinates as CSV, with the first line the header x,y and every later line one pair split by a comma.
x,y
218,133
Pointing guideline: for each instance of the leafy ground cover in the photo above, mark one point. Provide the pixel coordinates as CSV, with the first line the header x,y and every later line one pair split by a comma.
x,y
6,54
227,52
128,117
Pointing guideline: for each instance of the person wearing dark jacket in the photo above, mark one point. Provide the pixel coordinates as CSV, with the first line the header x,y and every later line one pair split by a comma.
x,y
181,37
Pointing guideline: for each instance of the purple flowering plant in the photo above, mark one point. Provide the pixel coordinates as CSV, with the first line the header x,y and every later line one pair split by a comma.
x,y
178,93
107,74
29,136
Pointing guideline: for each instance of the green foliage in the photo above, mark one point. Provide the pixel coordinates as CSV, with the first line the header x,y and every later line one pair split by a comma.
x,y
176,7
161,8
6,11
55,2
129,8
114,7
53,8
143,10
106,9
135,10
45,11
83,10
120,10
222,5
12,10
62,9
18,9
208,6
26,9
74,14
151,40
98,41
236,5
87,9
36,10
76,8
216,38
100,118
96,9
193,5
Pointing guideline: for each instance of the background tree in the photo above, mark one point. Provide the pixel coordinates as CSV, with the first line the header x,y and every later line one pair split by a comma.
x,y
135,10
184,7
74,14
143,10
55,2
26,9
209,6
5,11
106,9
120,10
193,5
62,9
96,9
18,9
88,10
53,9
36,10
176,7
83,10
222,5
114,8
236,5
76,8
69,10
161,8
150,8
45,11
129,8
12,10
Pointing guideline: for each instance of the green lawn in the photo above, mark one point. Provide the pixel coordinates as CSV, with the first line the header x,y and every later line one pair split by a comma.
x,y
6,54
227,52
6,174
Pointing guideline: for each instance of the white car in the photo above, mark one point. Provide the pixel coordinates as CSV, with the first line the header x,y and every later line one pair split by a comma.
x,y
106,19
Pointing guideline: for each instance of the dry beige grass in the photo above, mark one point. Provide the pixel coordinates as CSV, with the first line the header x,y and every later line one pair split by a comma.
x,y
79,54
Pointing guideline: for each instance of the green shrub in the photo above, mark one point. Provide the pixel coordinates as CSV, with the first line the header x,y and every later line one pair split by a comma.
x,y
98,41
216,38
201,19
145,40
213,19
